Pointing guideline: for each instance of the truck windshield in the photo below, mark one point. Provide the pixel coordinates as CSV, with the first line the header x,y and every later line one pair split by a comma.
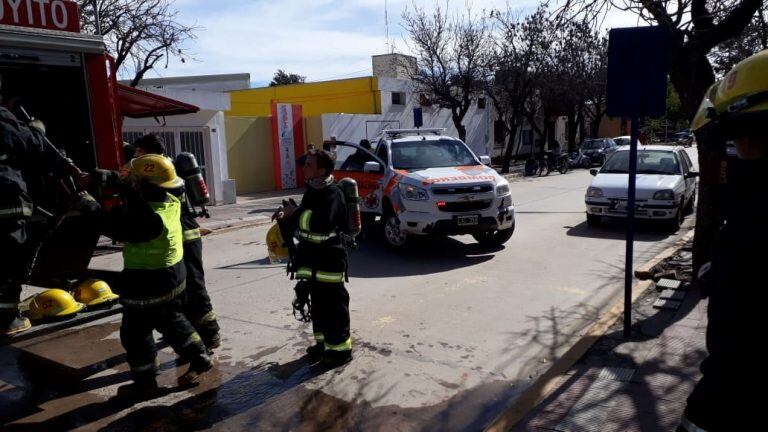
x,y
422,154
648,162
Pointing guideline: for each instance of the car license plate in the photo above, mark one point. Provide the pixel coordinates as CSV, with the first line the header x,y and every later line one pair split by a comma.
x,y
467,220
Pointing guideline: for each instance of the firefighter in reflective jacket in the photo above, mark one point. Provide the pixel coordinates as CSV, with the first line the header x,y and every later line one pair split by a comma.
x,y
25,162
320,260
197,306
154,277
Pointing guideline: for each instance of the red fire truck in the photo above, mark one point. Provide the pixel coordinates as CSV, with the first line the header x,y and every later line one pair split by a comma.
x,y
67,79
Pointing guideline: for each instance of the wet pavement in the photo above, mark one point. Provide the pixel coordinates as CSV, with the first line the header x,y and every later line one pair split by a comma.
x,y
445,337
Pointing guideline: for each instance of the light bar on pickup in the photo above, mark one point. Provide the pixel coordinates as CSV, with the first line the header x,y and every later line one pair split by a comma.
x,y
434,131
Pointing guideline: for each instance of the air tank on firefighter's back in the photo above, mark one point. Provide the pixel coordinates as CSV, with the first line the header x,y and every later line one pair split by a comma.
x,y
349,188
188,169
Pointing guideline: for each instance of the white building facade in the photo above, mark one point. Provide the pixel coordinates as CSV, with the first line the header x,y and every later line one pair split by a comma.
x,y
203,133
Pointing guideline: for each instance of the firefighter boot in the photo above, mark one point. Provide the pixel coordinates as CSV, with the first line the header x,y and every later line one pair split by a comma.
x,y
196,369
334,359
213,342
13,323
316,351
143,385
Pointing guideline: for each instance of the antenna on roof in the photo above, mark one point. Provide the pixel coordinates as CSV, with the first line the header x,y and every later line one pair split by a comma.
x,y
386,27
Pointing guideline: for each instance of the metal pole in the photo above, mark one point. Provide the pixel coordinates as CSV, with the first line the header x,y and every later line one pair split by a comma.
x,y
630,227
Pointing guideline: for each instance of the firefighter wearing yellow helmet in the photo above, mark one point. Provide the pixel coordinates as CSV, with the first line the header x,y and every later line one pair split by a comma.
x,y
735,109
153,281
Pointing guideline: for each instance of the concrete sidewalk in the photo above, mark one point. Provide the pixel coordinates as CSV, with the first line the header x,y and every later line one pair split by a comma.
x,y
640,384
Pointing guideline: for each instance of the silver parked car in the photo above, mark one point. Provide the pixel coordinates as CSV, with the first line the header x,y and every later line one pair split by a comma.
x,y
665,186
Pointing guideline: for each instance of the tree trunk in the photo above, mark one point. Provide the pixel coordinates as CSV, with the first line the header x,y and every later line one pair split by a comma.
x,y
691,75
596,124
510,145
457,119
573,126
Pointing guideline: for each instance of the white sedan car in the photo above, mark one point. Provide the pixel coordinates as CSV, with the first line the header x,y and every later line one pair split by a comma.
x,y
625,140
665,186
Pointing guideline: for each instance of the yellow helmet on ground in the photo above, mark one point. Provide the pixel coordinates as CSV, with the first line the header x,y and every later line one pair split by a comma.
x,y
157,170
53,303
278,251
743,91
94,293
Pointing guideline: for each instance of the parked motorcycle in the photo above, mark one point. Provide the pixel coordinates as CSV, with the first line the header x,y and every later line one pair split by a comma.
x,y
550,162
579,160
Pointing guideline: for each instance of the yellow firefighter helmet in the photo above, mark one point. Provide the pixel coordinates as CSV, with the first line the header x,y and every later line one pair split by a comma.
x,y
53,303
94,293
157,170
743,91
278,251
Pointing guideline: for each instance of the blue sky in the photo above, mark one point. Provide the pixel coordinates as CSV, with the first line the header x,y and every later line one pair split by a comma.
x,y
321,39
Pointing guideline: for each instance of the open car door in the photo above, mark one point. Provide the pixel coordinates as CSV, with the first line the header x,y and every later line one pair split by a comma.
x,y
365,168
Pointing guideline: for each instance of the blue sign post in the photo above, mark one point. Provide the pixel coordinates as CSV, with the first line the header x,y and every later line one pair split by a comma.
x,y
637,86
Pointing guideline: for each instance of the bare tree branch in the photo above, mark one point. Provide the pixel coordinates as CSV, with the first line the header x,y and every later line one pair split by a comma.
x,y
139,33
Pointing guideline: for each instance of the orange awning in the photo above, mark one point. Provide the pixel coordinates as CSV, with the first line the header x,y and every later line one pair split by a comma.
x,y
137,103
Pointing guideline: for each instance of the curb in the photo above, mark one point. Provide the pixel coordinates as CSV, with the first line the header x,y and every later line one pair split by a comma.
x,y
237,226
549,381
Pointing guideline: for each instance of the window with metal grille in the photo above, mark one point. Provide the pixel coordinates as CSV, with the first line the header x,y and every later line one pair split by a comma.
x,y
169,139
193,142
130,137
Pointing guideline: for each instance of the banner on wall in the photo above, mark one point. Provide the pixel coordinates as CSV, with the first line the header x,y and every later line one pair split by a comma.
x,y
288,144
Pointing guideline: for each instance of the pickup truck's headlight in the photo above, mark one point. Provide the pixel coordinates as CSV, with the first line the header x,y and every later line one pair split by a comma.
x,y
594,192
502,189
413,193
664,195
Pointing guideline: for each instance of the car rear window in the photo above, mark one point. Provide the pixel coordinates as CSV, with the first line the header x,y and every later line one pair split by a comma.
x,y
648,162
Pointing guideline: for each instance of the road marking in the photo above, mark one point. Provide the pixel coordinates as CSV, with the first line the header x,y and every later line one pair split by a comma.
x,y
384,321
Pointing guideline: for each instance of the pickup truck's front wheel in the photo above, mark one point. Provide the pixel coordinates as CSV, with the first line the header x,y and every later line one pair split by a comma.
x,y
395,237
495,237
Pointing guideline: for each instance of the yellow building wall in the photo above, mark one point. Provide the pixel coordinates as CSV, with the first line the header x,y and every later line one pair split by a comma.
x,y
250,154
351,96
313,131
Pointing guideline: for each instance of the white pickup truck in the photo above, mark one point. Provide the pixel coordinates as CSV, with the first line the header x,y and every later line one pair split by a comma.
x,y
421,182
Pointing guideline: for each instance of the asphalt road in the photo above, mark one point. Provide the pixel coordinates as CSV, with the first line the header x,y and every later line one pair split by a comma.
x,y
445,336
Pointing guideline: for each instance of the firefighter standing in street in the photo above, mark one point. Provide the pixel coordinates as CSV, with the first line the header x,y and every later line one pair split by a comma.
x,y
736,109
197,306
320,259
153,281
26,160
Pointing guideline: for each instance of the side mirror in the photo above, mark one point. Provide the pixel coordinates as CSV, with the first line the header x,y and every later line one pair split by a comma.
x,y
485,160
371,167
692,174
593,171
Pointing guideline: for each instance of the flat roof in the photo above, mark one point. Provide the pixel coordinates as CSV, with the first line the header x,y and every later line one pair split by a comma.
x,y
193,79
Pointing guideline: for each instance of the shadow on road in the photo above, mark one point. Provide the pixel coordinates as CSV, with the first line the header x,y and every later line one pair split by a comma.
x,y
373,259
246,390
617,230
